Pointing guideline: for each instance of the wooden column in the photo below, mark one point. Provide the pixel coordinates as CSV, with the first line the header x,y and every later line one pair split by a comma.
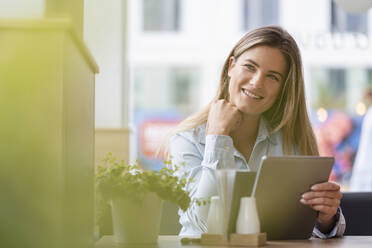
x,y
47,135
70,9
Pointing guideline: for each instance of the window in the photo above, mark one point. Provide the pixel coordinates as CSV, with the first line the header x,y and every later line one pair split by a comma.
x,y
181,87
260,12
342,21
329,88
337,82
339,88
164,88
369,77
161,15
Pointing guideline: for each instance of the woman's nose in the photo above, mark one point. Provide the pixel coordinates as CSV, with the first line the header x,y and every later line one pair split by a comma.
x,y
257,80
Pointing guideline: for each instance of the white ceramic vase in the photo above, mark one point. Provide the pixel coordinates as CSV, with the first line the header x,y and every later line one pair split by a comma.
x,y
248,221
214,220
136,223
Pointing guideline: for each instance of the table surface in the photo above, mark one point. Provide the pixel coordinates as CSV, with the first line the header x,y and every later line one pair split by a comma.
x,y
174,242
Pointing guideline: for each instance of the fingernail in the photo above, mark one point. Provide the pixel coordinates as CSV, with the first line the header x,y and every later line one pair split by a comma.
x,y
302,201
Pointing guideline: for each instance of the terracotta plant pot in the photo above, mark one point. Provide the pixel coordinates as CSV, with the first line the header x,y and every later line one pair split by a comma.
x,y
136,223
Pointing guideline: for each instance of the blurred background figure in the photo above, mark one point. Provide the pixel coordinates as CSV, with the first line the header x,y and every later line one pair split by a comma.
x,y
334,139
361,179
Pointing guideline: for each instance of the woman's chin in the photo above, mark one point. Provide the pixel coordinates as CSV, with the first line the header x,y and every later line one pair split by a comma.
x,y
249,112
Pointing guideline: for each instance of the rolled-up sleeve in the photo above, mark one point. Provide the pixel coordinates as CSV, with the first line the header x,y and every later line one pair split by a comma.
x,y
337,231
219,152
193,164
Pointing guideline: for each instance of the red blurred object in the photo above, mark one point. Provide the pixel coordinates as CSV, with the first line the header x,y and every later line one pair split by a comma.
x,y
153,134
332,132
329,136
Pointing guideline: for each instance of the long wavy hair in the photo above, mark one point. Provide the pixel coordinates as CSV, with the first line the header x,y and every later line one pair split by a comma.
x,y
289,113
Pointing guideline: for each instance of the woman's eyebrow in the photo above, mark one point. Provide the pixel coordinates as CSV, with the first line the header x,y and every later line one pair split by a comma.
x,y
253,62
270,71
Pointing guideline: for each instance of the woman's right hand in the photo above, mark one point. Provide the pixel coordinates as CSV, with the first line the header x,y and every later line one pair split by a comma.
x,y
223,118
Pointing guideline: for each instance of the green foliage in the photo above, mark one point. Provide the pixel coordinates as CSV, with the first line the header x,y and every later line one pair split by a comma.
x,y
115,179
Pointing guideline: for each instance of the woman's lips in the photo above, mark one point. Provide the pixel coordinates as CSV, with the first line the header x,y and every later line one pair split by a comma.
x,y
251,94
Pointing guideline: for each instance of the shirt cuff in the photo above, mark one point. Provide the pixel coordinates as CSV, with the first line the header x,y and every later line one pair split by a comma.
x,y
219,152
337,231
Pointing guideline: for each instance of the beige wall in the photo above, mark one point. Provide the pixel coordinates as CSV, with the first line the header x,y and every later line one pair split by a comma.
x,y
113,140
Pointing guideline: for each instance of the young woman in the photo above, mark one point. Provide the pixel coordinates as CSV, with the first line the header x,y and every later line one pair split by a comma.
x,y
259,109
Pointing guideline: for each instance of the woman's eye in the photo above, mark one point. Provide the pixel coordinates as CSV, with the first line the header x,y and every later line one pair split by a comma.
x,y
273,77
250,67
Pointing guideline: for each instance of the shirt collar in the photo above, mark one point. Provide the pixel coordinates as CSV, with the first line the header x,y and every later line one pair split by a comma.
x,y
263,132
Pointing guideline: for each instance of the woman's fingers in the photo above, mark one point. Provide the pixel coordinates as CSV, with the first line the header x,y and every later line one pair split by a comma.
x,y
325,198
322,201
322,194
329,210
327,186
326,208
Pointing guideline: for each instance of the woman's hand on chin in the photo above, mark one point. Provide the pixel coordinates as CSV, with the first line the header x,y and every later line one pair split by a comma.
x,y
223,118
324,198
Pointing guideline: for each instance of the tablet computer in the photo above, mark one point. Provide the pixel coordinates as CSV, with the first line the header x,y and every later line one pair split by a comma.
x,y
277,187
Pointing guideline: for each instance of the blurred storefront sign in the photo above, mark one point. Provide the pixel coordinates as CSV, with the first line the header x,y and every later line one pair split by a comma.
x,y
335,41
152,128
153,133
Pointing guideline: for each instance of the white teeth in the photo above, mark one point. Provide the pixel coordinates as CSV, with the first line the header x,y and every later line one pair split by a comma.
x,y
251,94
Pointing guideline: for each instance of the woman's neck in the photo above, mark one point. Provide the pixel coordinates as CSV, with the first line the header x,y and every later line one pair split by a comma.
x,y
247,131
244,137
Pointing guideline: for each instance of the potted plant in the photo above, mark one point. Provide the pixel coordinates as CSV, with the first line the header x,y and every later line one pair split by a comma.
x,y
135,196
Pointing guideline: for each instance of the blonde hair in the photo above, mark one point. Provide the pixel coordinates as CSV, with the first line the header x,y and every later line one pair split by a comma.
x,y
289,112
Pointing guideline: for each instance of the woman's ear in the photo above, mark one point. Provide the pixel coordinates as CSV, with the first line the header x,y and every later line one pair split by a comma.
x,y
232,63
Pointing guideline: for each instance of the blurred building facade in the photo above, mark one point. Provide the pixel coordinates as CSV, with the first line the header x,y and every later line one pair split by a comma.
x,y
176,50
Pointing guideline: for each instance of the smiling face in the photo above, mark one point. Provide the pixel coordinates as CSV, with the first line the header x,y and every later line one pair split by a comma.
x,y
256,78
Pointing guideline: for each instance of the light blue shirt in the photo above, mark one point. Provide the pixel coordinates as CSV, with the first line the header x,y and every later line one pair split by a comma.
x,y
201,154
361,179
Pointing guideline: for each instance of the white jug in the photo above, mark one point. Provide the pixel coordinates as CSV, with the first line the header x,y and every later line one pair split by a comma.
x,y
214,220
248,221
